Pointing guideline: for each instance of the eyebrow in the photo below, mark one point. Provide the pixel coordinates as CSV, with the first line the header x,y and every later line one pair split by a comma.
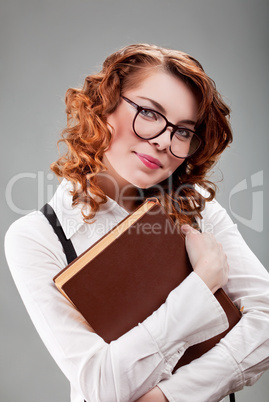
x,y
158,106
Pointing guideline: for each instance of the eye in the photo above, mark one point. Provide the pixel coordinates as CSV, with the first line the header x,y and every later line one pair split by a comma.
x,y
183,134
149,114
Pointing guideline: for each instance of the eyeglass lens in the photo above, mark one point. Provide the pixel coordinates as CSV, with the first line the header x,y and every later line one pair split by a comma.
x,y
148,124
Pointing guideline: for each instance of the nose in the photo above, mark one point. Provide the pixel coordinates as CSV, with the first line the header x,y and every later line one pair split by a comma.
x,y
162,143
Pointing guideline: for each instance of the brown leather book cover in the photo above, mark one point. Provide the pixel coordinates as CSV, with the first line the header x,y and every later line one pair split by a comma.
x,y
125,276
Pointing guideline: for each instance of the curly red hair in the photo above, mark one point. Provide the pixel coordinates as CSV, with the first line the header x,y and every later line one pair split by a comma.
x,y
87,135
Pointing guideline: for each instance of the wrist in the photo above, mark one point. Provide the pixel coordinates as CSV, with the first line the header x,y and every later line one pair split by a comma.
x,y
207,279
154,395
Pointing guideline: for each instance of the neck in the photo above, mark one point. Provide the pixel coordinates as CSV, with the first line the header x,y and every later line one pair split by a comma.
x,y
125,194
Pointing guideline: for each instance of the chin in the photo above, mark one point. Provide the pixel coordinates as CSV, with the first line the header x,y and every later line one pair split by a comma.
x,y
143,185
141,182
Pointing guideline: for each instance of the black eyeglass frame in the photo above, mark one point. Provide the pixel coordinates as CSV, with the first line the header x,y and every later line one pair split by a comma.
x,y
168,124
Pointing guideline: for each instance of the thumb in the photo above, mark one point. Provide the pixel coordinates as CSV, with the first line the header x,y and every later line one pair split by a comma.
x,y
187,229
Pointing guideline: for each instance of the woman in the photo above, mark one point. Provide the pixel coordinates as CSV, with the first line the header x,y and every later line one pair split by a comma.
x,y
150,123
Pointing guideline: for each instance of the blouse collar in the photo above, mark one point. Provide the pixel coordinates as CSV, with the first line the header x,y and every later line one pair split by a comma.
x,y
71,217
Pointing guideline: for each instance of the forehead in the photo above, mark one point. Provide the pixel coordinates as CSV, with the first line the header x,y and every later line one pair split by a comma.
x,y
175,97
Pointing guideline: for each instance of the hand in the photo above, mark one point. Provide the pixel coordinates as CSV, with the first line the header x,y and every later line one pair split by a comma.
x,y
207,257
155,395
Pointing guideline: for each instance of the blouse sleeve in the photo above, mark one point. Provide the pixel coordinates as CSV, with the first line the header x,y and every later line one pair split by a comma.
x,y
243,355
128,367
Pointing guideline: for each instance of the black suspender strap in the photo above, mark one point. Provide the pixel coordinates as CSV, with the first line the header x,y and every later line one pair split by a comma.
x,y
68,247
232,397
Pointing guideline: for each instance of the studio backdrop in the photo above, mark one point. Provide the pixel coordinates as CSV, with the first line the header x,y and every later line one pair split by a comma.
x,y
50,45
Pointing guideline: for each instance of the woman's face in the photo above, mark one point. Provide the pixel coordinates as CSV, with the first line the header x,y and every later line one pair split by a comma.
x,y
144,163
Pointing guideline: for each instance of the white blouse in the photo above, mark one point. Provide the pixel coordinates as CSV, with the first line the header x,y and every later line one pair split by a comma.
x,y
145,356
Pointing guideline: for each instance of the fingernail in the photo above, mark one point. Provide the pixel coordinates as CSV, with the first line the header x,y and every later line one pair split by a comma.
x,y
185,229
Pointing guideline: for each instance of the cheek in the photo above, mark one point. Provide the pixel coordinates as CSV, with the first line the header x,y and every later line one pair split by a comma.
x,y
120,134
170,170
175,163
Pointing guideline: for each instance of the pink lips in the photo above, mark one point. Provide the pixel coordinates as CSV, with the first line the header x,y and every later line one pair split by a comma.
x,y
149,161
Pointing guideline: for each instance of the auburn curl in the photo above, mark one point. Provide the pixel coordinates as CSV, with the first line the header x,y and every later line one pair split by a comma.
x,y
87,136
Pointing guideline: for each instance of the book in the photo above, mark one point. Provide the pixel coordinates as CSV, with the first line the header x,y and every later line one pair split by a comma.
x,y
127,274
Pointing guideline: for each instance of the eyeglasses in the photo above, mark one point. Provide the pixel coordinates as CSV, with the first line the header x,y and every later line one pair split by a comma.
x,y
149,124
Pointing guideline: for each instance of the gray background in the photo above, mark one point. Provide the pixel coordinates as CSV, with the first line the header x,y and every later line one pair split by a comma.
x,y
48,46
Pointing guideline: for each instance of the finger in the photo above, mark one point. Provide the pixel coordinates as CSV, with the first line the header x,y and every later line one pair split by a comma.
x,y
187,229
